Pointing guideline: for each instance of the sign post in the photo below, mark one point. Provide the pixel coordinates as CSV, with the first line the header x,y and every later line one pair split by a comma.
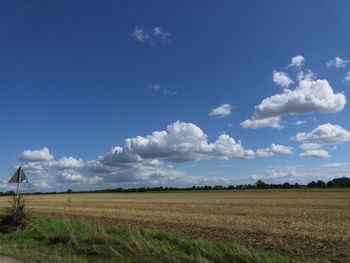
x,y
18,177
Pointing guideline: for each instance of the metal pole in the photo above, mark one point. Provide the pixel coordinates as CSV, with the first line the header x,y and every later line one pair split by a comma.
x,y
18,185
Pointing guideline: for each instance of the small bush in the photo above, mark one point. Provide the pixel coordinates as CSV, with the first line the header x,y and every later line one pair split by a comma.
x,y
14,218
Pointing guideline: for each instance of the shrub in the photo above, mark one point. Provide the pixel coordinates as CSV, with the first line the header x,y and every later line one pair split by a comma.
x,y
15,217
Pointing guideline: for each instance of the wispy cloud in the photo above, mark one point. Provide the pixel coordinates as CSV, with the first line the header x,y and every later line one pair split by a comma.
x,y
337,62
156,35
156,87
221,111
347,77
297,61
335,165
315,154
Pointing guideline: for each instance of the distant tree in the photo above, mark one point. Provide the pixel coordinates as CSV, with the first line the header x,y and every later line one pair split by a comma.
x,y
330,184
286,185
69,191
320,184
260,184
296,185
342,182
312,184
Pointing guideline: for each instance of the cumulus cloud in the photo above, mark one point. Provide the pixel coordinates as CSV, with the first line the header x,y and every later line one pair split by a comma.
x,y
37,168
287,174
156,35
282,79
274,149
325,134
337,62
41,185
256,123
181,142
347,77
66,163
221,111
310,146
74,176
35,155
315,154
143,160
297,61
308,97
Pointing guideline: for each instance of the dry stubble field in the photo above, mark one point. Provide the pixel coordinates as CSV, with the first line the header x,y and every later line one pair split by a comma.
x,y
297,224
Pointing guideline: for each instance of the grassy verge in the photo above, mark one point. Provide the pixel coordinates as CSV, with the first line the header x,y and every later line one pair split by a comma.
x,y
49,240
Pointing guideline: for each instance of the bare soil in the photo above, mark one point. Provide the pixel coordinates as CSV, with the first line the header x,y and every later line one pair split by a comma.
x,y
300,225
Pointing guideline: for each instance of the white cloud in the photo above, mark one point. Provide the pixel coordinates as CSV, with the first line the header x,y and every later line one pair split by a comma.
x,y
287,174
310,146
297,61
309,96
36,168
315,154
300,122
41,185
66,163
347,77
337,62
181,142
140,174
275,174
282,79
306,75
140,35
255,123
156,35
170,92
161,33
274,149
335,165
256,177
35,155
221,111
74,176
154,86
303,175
143,161
325,134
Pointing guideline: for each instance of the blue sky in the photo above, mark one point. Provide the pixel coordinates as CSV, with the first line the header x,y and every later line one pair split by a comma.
x,y
217,80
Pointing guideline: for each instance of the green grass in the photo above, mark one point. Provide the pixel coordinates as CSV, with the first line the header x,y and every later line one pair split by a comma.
x,y
50,240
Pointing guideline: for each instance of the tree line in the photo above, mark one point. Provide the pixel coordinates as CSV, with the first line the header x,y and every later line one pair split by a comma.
x,y
337,182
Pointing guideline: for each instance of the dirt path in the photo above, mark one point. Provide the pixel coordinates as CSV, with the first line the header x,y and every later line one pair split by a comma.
x,y
7,260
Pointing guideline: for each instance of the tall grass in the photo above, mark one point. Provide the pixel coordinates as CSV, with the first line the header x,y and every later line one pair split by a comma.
x,y
49,240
